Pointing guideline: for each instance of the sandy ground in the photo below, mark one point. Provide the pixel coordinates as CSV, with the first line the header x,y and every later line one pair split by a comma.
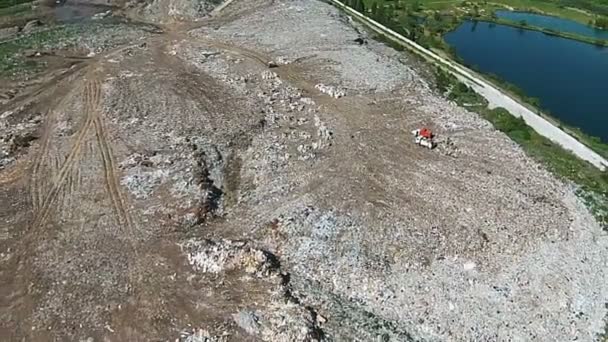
x,y
177,188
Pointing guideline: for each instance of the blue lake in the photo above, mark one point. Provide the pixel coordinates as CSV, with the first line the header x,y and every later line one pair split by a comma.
x,y
553,23
570,78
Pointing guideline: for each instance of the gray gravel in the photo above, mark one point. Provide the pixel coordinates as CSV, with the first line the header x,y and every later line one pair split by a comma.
x,y
323,38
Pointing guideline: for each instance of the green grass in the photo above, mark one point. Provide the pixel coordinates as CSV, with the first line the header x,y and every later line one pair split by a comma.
x,y
11,3
13,63
16,10
557,8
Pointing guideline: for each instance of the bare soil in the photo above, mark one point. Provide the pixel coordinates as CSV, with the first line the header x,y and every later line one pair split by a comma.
x,y
178,188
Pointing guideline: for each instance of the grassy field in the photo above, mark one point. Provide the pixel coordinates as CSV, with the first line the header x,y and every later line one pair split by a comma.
x,y
12,62
11,3
15,12
546,7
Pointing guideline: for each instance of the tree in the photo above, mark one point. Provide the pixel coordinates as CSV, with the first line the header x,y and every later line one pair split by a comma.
x,y
523,23
374,10
601,23
383,15
361,6
357,5
437,16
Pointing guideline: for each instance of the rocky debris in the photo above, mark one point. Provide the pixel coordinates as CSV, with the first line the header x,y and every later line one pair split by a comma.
x,y
166,11
324,39
141,183
271,76
248,321
6,95
210,256
281,317
16,136
378,241
335,92
30,26
8,32
199,335
324,134
144,173
282,60
102,15
289,321
447,146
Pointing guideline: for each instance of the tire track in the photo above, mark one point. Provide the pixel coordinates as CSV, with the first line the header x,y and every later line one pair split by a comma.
x,y
91,99
111,180
36,183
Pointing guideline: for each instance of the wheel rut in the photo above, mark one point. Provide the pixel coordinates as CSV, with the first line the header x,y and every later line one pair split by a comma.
x,y
111,180
92,97
36,183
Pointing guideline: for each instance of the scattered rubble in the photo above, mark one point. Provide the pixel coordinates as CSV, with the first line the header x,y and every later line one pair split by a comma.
x,y
8,32
31,26
224,255
332,91
16,135
102,15
199,335
281,317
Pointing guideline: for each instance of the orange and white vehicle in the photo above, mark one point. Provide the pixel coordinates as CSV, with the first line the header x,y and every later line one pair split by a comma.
x,y
424,137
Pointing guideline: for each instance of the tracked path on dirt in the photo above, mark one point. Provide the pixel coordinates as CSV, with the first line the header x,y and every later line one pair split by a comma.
x,y
36,183
91,96
111,180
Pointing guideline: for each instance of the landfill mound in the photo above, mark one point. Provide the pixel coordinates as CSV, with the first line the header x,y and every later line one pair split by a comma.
x,y
251,175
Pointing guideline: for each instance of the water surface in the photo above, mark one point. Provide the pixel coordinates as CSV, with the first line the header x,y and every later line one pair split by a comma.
x,y
570,78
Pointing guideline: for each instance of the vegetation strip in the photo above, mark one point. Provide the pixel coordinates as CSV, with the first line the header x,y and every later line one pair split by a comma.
x,y
561,34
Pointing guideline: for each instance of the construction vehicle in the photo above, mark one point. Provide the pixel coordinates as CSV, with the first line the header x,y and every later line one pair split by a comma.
x,y
424,137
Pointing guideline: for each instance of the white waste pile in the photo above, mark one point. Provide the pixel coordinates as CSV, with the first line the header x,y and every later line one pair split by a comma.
x,y
335,92
280,317
16,136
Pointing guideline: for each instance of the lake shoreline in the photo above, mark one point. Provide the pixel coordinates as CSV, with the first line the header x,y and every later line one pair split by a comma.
x,y
546,83
549,32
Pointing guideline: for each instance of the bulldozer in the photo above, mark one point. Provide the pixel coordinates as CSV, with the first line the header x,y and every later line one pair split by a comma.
x,y
424,137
